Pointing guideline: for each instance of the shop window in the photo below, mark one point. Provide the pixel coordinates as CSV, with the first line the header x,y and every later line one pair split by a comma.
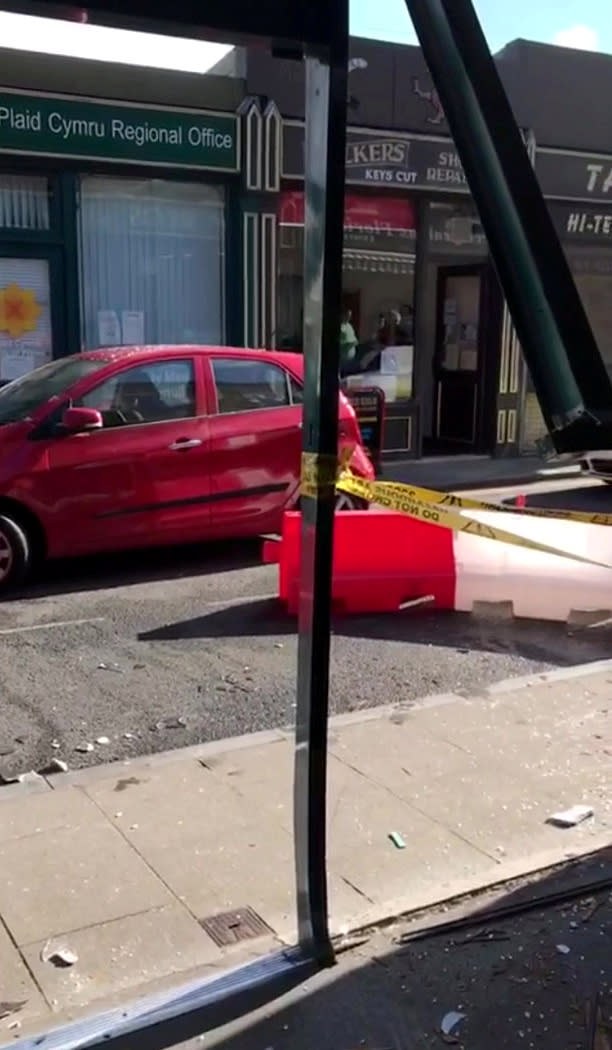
x,y
24,202
149,393
591,267
152,262
244,386
378,288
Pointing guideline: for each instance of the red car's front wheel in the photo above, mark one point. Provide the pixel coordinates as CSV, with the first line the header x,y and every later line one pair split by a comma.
x,y
15,553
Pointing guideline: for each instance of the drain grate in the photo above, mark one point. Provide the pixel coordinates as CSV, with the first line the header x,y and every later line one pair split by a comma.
x,y
230,927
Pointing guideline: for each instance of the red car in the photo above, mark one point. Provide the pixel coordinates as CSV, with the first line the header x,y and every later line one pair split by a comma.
x,y
139,446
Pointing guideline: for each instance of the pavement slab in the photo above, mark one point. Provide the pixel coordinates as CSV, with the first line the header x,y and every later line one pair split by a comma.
x,y
63,880
21,998
116,956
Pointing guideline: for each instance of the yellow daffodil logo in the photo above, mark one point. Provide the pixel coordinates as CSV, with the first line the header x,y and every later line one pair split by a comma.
x,y
19,311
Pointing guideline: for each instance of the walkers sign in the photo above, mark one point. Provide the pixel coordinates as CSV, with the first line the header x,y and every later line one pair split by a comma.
x,y
75,127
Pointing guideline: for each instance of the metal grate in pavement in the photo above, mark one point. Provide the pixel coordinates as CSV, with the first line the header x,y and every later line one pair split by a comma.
x,y
231,927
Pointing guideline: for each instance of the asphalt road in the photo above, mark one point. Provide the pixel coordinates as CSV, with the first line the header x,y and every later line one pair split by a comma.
x,y
165,649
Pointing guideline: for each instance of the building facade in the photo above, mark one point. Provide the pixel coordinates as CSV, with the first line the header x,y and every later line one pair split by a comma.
x,y
414,246
150,206
119,208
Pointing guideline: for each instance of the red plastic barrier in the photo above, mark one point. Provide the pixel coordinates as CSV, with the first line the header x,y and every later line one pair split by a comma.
x,y
381,561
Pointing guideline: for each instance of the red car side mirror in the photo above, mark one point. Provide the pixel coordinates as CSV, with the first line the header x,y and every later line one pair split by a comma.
x,y
77,420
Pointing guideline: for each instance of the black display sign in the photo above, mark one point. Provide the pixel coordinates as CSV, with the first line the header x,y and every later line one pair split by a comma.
x,y
580,176
369,405
378,159
580,222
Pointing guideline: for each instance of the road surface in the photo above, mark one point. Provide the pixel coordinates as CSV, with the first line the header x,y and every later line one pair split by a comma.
x,y
165,649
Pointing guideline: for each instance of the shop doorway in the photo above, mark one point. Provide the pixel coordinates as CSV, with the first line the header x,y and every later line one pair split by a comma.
x,y
32,329
462,415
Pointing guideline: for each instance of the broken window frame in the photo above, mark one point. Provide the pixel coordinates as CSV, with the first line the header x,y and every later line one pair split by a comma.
x,y
557,342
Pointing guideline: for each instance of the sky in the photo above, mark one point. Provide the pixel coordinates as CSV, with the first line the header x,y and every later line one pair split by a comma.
x,y
584,24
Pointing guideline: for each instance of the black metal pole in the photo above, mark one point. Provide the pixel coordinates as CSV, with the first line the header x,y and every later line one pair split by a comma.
x,y
326,86
568,374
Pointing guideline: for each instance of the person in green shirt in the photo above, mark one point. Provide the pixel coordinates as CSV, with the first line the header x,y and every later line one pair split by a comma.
x,y
348,339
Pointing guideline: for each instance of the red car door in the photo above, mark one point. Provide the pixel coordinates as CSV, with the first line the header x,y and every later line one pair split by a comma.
x,y
143,478
255,442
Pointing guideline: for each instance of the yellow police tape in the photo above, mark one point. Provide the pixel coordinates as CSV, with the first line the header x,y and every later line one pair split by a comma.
x,y
451,499
407,499
319,472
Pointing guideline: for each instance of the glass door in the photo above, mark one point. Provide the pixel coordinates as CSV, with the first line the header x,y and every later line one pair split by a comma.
x,y
458,365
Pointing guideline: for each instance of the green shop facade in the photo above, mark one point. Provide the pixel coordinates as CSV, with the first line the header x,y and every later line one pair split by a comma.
x,y
124,216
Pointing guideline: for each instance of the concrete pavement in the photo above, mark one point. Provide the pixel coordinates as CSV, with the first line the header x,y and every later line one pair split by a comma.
x,y
128,866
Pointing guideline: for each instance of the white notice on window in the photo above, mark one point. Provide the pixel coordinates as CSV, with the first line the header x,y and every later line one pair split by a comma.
x,y
132,323
109,329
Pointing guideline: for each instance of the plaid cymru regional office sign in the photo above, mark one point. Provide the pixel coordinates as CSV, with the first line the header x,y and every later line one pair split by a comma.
x,y
56,125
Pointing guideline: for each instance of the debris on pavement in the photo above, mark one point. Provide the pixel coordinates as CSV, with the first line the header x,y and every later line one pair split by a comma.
x,y
590,907
85,748
450,1021
485,936
56,765
569,818
103,740
110,667
58,954
28,778
8,1008
125,782
397,840
563,949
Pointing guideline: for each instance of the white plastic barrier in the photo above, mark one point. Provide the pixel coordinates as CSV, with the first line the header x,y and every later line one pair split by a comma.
x,y
539,586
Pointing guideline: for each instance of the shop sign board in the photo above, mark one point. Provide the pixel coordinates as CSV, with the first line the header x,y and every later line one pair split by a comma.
x,y
54,125
369,405
582,222
371,223
376,158
382,214
577,176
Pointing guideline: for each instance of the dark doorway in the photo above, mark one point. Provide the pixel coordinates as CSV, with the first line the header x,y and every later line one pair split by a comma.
x,y
463,414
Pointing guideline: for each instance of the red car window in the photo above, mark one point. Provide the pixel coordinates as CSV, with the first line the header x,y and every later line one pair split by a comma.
x,y
148,393
245,385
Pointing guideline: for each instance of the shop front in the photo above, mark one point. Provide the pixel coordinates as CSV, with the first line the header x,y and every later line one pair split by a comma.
x,y
579,191
113,225
419,295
